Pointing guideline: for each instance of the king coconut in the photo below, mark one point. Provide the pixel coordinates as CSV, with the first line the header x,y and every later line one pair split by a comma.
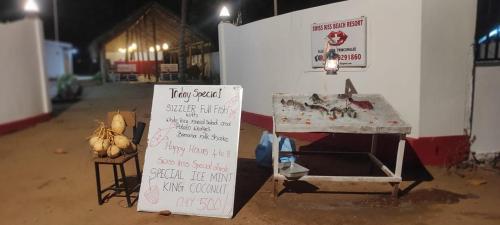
x,y
110,141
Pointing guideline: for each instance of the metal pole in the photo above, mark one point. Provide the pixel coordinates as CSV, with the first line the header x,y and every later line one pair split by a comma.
x,y
102,62
126,46
275,7
496,45
182,43
56,20
157,71
202,62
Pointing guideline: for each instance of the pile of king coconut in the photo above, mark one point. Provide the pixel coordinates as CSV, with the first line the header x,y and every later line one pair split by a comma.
x,y
110,141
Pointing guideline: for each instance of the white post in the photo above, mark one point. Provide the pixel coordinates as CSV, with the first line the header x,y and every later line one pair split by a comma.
x,y
222,53
275,7
47,105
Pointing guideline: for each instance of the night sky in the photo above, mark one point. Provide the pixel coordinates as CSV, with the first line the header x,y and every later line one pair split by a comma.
x,y
83,20
488,16
80,21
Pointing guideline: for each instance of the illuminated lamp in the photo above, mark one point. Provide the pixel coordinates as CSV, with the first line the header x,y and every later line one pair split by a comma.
x,y
224,13
31,7
332,62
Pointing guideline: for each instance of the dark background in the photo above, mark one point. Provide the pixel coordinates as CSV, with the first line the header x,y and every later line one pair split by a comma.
x,y
80,21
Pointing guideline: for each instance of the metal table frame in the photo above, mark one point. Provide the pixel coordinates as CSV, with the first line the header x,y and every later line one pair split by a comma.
x,y
392,177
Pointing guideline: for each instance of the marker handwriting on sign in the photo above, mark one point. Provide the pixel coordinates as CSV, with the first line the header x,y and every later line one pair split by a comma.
x,y
192,152
232,104
161,135
152,194
201,204
196,93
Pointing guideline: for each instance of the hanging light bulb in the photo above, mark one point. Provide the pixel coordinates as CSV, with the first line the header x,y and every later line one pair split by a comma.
x,y
132,47
164,46
158,47
31,7
332,62
151,49
122,50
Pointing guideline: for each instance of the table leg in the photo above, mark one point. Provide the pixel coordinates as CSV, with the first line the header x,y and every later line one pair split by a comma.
x,y
395,190
115,174
138,169
98,183
275,156
400,155
275,188
399,165
125,183
373,149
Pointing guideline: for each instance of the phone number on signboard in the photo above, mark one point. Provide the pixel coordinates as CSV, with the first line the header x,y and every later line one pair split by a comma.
x,y
350,57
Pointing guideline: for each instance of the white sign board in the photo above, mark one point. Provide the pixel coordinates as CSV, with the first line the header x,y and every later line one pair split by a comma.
x,y
192,153
169,68
347,37
126,68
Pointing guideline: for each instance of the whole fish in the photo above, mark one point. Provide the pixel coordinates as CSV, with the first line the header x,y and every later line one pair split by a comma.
x,y
320,108
343,111
316,99
295,104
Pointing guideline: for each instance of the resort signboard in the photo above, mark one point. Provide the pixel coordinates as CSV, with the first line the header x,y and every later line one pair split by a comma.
x,y
192,153
346,37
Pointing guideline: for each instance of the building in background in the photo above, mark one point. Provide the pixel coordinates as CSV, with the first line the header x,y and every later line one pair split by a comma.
x,y
486,80
58,58
146,46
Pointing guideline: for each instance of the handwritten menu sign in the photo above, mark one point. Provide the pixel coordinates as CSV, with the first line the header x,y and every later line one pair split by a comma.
x,y
192,153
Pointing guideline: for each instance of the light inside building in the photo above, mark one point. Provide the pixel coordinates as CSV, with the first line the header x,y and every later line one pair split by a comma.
x,y
164,46
132,47
224,12
158,48
122,50
151,49
31,6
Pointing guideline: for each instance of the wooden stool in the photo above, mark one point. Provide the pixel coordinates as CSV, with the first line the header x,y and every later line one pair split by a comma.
x,y
137,131
115,188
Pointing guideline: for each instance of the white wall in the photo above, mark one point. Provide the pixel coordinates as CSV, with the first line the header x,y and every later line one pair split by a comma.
x,y
273,55
447,61
23,84
419,58
486,121
58,58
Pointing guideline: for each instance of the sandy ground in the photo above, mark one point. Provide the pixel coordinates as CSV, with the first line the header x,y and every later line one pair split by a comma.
x,y
39,186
